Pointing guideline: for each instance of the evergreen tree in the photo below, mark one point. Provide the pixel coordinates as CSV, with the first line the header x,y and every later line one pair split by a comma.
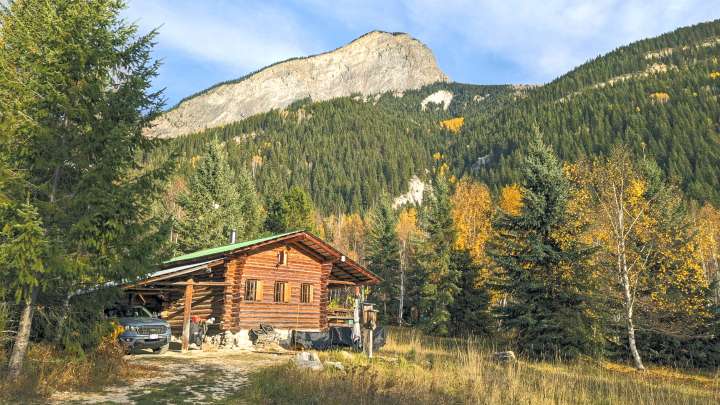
x,y
292,211
216,203
544,273
75,99
437,277
383,257
470,311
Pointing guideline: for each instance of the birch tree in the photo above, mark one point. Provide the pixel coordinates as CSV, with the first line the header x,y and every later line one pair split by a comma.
x,y
708,228
620,191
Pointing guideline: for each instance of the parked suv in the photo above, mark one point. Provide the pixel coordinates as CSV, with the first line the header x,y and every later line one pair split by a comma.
x,y
141,329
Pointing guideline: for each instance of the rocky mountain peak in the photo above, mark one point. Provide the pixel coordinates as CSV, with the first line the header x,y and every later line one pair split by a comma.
x,y
376,62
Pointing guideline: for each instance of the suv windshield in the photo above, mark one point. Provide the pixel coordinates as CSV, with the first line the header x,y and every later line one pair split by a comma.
x,y
130,312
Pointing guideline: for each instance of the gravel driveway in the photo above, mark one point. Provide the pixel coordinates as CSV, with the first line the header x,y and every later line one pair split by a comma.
x,y
195,378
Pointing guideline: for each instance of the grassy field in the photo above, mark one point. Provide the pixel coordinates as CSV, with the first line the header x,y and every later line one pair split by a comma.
x,y
47,370
413,368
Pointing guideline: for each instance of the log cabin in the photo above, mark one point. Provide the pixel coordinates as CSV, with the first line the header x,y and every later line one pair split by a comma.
x,y
293,281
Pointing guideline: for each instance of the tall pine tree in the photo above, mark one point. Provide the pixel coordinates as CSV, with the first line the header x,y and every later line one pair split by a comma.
x,y
216,203
74,101
544,276
291,211
437,276
383,257
470,312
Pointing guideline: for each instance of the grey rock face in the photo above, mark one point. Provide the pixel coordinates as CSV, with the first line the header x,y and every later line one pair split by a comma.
x,y
375,63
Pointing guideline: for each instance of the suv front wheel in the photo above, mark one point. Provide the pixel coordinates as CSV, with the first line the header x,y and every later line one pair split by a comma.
x,y
161,349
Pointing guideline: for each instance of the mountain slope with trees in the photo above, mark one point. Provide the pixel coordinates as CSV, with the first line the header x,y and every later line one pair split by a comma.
x,y
659,96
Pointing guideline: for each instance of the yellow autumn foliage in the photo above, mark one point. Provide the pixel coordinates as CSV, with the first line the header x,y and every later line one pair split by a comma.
x,y
707,224
406,227
637,238
443,169
472,212
511,199
347,233
660,97
453,124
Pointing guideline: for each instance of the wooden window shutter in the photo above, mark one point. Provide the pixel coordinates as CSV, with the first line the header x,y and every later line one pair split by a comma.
x,y
312,293
287,292
259,290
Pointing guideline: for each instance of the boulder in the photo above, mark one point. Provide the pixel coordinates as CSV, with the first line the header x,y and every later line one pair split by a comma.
x,y
505,357
308,360
335,364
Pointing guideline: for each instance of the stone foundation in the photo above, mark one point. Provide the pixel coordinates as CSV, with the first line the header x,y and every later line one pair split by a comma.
x,y
240,340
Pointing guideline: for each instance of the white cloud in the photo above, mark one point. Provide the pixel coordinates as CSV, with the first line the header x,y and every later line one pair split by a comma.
x,y
539,38
238,38
544,37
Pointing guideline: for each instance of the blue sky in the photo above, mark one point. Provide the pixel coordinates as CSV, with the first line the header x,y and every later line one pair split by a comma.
x,y
482,41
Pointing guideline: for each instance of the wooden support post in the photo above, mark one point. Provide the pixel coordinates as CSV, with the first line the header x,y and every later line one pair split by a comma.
x,y
370,343
186,315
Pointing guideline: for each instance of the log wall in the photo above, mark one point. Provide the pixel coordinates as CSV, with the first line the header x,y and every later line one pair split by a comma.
x,y
264,265
207,301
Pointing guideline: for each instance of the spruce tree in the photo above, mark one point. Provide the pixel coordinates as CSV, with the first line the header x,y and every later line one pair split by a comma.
x,y
216,203
292,211
75,99
437,277
383,257
544,276
470,312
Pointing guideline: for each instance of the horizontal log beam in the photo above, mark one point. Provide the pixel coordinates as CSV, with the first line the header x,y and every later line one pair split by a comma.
x,y
153,290
198,283
341,282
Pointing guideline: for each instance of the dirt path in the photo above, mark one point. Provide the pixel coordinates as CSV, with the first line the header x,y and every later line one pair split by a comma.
x,y
175,378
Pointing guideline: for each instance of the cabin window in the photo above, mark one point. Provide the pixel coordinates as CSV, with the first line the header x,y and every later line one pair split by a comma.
x,y
306,293
253,290
282,258
282,291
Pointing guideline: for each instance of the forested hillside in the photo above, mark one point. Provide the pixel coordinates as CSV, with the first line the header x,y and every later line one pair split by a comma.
x,y
660,96
347,151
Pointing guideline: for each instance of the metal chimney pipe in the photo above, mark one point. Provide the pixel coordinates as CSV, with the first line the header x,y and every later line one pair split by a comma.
x,y
233,234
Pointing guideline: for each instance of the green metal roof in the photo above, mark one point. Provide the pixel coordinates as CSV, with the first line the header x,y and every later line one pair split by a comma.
x,y
226,248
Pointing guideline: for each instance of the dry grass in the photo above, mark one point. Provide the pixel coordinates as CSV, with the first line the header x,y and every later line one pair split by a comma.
x,y
412,368
47,370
